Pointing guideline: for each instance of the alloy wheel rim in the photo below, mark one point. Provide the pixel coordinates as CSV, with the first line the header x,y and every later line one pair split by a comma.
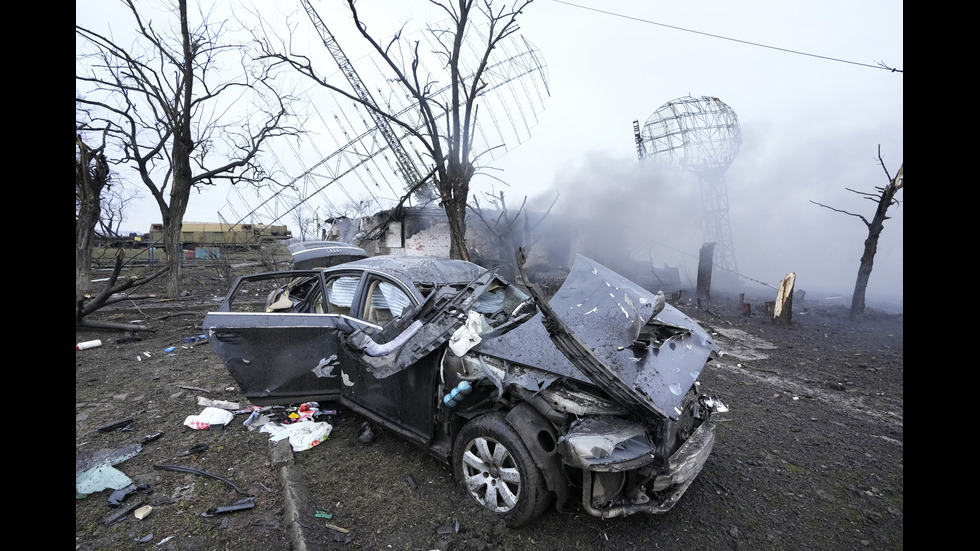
x,y
491,474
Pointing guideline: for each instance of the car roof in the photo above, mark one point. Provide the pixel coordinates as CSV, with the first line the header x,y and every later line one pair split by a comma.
x,y
420,269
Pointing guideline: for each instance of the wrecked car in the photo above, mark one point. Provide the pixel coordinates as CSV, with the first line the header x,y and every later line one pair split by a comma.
x,y
591,395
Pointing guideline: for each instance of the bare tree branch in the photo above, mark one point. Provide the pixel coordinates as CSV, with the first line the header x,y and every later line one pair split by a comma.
x,y
447,144
174,114
884,199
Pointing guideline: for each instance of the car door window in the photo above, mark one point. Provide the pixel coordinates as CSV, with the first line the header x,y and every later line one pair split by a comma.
x,y
385,302
341,292
301,295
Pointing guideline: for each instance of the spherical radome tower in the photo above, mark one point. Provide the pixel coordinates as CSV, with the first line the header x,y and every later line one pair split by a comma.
x,y
700,136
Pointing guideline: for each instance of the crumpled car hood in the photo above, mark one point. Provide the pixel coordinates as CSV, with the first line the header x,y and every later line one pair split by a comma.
x,y
651,356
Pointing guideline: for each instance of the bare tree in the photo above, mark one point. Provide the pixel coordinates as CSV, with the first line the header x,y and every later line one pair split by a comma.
x,y
446,132
173,111
115,205
97,210
91,178
303,221
883,198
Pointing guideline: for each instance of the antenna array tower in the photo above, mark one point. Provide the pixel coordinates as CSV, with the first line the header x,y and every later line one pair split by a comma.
x,y
516,83
405,164
700,136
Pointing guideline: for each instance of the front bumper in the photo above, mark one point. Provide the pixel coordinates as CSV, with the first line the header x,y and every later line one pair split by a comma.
x,y
653,495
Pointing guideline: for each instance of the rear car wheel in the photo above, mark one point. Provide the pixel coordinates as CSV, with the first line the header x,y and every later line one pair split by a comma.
x,y
494,467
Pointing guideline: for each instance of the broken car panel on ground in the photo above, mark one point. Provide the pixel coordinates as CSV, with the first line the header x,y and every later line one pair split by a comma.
x,y
531,402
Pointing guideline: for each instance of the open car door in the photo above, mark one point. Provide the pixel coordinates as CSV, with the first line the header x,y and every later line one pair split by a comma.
x,y
281,346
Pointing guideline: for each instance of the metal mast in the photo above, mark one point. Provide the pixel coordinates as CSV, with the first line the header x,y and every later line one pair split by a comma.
x,y
700,136
638,138
410,172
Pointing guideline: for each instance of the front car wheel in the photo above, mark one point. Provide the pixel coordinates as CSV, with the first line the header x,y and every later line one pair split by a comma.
x,y
493,465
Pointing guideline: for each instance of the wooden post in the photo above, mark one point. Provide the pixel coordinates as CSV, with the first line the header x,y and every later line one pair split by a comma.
x,y
783,311
705,263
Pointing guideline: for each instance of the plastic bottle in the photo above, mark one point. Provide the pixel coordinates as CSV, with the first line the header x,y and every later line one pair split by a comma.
x,y
88,344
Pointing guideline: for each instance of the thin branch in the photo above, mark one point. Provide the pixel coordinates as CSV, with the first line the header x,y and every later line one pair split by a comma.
x,y
863,219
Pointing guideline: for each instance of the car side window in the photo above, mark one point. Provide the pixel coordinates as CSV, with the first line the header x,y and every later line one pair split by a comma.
x,y
341,292
385,302
300,295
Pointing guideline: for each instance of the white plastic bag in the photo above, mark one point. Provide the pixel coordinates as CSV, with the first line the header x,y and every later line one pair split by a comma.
x,y
210,416
468,335
306,434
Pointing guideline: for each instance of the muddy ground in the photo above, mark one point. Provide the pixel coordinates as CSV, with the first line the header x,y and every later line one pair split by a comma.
x,y
810,455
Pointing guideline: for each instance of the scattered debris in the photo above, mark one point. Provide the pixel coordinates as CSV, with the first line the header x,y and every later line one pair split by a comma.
x,y
115,425
211,417
240,505
119,515
143,512
178,469
302,435
308,434
151,437
194,450
94,471
88,344
118,496
445,530
220,404
187,387
365,435
100,478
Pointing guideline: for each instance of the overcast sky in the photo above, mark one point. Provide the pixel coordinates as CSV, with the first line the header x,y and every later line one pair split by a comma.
x,y
802,78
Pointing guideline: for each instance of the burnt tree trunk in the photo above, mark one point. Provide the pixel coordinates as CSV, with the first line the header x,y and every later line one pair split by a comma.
x,y
782,312
183,175
875,226
456,213
884,199
454,190
91,177
705,263
173,217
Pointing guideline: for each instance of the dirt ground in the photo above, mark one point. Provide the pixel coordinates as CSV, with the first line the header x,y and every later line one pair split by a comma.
x,y
810,455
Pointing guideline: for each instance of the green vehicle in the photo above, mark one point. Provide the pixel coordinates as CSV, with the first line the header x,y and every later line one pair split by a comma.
x,y
219,234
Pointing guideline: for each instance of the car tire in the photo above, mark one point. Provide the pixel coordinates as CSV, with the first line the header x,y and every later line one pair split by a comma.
x,y
493,466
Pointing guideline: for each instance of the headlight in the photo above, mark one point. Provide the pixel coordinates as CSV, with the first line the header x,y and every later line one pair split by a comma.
x,y
596,443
